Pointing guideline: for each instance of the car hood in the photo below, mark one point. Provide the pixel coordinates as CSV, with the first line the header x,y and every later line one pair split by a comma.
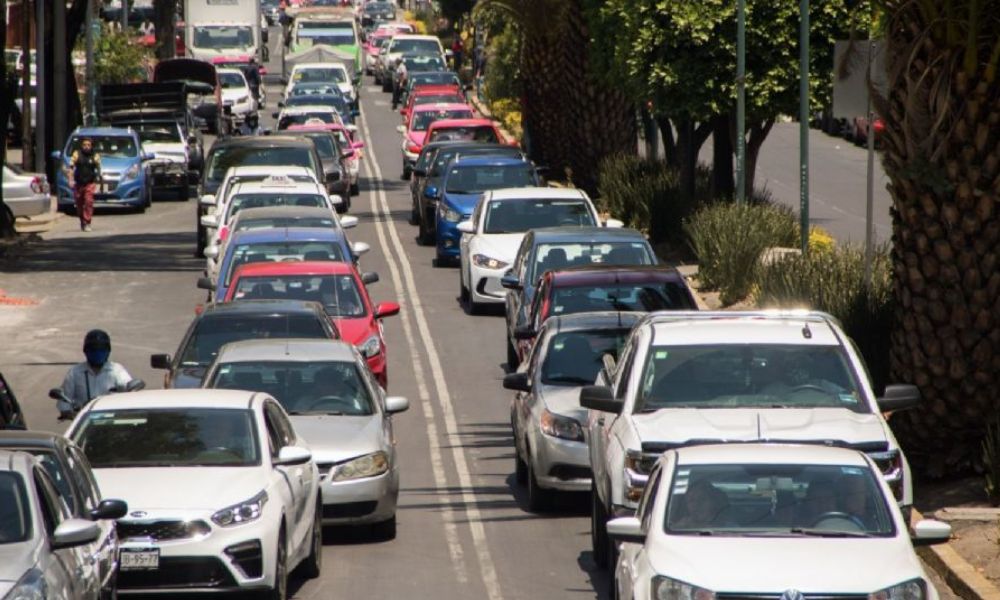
x,y
114,163
744,424
416,137
463,202
233,93
335,438
15,560
354,330
563,400
862,566
173,488
501,246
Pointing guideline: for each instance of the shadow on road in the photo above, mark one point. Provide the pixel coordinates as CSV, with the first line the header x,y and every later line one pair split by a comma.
x,y
127,252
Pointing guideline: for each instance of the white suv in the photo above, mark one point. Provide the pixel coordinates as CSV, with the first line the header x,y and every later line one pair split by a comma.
x,y
727,376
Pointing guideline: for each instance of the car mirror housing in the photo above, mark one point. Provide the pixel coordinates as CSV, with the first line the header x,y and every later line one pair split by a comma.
x,y
600,398
466,227
431,192
510,281
204,283
524,332
160,361
386,309
211,252
517,381
614,224
359,248
207,200
292,455
626,529
369,277
899,396
396,404
109,510
209,221
348,222
72,533
928,532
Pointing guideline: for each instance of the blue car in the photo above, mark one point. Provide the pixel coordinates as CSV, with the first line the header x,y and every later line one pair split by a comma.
x,y
463,183
281,244
123,166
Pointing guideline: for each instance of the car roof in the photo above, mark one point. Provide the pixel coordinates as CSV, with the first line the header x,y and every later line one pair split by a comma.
x,y
257,307
288,350
183,398
605,319
609,274
35,439
18,462
439,106
278,234
717,327
476,122
536,193
271,212
413,36
573,234
770,453
276,186
261,141
99,131
304,267
477,160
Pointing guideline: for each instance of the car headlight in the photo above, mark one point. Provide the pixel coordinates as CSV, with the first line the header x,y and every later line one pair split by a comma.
x,y
31,586
371,347
244,512
665,588
368,465
488,262
132,172
450,214
558,426
914,589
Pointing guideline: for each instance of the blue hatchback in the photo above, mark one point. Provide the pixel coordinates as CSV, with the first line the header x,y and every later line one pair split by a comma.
x,y
125,178
461,186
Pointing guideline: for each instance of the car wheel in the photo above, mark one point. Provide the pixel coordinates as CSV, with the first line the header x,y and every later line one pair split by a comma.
x,y
280,589
463,292
520,468
539,498
512,360
385,530
406,171
415,214
313,564
598,529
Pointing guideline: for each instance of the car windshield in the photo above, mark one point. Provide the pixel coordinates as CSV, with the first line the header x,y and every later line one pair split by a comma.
x,y
447,98
57,473
258,156
518,216
222,36
749,376
15,512
169,437
311,89
559,256
445,155
108,145
320,75
159,134
378,7
777,500
643,297
433,78
473,133
337,102
212,332
328,37
325,146
414,46
339,294
284,252
263,200
426,62
326,116
473,180
423,119
303,388
275,222
232,80
575,357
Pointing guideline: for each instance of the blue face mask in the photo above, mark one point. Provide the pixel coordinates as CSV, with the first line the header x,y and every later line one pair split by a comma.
x,y
97,358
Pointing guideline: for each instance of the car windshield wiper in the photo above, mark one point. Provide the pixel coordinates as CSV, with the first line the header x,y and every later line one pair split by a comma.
x,y
828,533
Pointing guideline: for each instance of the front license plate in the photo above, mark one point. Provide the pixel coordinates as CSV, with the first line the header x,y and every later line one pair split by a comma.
x,y
137,559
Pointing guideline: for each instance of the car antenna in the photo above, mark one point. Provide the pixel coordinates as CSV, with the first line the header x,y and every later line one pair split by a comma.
x,y
806,333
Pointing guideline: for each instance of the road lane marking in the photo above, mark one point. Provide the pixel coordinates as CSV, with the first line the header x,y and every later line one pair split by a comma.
x,y
410,292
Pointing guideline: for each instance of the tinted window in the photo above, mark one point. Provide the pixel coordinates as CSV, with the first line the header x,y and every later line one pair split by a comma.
x,y
325,146
273,222
481,133
232,80
301,387
15,512
433,77
414,46
643,297
423,119
108,145
476,179
574,357
222,159
264,200
427,62
558,256
339,294
169,438
212,333
283,251
57,473
518,216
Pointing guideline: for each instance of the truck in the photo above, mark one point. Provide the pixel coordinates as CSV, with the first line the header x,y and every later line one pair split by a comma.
x,y
223,29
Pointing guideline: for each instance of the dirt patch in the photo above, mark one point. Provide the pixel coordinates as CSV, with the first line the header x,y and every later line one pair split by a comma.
x,y
979,543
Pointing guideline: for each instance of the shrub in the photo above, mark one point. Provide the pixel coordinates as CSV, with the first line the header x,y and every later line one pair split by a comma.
x,y
118,59
502,77
728,240
991,460
820,240
508,112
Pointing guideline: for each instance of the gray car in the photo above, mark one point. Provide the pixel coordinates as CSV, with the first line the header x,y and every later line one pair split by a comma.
x,y
44,551
27,194
338,407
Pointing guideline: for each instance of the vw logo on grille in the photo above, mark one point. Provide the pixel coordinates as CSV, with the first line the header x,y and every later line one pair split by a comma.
x,y
138,514
792,595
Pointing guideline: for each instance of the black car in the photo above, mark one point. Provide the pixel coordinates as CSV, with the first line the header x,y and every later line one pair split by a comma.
x,y
338,183
250,151
377,12
220,324
11,416
433,167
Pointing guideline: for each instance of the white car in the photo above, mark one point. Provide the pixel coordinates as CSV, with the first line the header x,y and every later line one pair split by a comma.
x,y
44,552
689,377
236,94
399,45
223,495
306,115
325,72
338,406
27,194
770,521
490,239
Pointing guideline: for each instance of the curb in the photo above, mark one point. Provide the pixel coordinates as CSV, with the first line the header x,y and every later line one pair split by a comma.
x,y
961,576
688,272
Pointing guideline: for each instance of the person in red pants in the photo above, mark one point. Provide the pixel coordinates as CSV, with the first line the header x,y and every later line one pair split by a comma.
x,y
85,172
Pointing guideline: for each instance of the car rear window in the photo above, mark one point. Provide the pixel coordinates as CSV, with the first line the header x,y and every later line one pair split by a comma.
x,y
256,156
479,133
289,251
214,331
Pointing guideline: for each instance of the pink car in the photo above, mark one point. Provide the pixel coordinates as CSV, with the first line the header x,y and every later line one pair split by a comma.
x,y
372,46
420,120
345,139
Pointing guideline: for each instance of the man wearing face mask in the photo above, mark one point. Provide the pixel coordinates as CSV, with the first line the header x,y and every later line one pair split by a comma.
x,y
92,378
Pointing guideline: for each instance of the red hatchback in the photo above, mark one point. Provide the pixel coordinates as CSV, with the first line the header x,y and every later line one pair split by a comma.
x,y
337,286
431,94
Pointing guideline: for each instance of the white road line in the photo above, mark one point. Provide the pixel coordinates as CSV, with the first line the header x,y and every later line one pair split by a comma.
x,y
437,463
478,532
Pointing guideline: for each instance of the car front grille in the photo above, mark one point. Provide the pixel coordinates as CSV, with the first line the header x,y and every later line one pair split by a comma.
x,y
162,530
569,472
786,595
179,573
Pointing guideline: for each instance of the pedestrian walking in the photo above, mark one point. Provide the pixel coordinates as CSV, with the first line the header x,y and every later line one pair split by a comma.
x,y
83,174
456,51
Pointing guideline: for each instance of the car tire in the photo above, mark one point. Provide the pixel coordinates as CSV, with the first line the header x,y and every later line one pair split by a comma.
x,y
415,214
406,171
312,566
520,468
512,360
599,542
355,189
539,498
424,237
280,589
385,530
464,297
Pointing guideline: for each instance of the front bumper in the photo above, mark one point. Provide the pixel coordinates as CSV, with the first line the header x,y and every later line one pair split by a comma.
x,y
485,284
560,464
448,236
132,193
359,501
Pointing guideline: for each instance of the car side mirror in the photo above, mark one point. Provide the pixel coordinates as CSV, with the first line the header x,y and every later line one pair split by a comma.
x,y
348,222
359,248
517,381
466,227
401,128
209,221
396,404
431,192
369,277
928,532
281,104
109,510
386,309
160,361
292,455
524,332
626,529
510,281
72,533
419,172
207,200
135,385
600,398
614,224
899,396
204,283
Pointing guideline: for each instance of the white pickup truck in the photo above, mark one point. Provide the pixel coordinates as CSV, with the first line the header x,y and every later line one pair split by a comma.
x,y
687,378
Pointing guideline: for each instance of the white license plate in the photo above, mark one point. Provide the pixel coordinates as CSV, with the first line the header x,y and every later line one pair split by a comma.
x,y
139,559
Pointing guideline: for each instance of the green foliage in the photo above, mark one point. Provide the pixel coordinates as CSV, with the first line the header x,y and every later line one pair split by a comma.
x,y
728,240
503,71
834,281
454,9
118,59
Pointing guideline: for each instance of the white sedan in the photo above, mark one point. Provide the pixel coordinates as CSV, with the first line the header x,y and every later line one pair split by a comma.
x,y
490,239
770,521
236,94
222,494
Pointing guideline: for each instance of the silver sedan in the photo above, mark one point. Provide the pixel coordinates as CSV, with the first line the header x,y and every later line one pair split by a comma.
x,y
27,194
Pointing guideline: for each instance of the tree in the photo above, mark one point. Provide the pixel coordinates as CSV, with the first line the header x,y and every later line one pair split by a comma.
x,y
940,152
118,59
164,16
7,96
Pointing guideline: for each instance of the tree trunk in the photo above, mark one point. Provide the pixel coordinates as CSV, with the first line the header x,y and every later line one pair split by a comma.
x,y
75,16
164,12
6,100
669,145
758,132
691,137
723,179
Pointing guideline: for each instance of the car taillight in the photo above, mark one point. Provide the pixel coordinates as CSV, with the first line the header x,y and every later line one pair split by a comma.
x,y
415,149
39,186
223,234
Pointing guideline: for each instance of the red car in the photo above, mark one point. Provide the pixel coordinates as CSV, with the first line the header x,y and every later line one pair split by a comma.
x,y
337,286
421,120
431,94
589,289
471,130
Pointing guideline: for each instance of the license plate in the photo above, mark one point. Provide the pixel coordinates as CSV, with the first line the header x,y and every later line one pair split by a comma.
x,y
136,559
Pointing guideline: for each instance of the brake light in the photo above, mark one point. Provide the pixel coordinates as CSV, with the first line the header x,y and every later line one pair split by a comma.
x,y
413,148
39,186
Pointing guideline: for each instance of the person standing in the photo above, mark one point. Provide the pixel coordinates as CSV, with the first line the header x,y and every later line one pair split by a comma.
x,y
83,174
456,51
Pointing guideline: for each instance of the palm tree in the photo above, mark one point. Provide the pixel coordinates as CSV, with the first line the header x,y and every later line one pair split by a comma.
x,y
942,156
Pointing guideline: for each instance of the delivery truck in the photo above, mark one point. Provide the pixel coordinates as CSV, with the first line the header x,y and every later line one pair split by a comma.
x,y
217,30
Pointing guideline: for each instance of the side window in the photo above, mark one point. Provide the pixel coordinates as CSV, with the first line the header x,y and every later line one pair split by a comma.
x,y
624,369
273,438
8,405
84,479
282,428
645,510
53,512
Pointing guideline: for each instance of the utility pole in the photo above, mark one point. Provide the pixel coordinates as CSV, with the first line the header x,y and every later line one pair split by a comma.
x,y
870,181
40,85
27,156
124,16
89,68
804,123
741,100
60,94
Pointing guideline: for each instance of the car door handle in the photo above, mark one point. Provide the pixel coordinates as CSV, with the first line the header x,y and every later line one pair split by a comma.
x,y
600,420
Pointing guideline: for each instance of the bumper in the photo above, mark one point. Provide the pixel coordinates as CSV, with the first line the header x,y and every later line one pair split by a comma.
x,y
171,175
37,204
409,158
448,237
485,285
379,367
129,194
361,501
560,464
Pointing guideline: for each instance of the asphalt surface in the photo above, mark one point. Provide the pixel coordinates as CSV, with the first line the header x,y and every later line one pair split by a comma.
x,y
463,529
